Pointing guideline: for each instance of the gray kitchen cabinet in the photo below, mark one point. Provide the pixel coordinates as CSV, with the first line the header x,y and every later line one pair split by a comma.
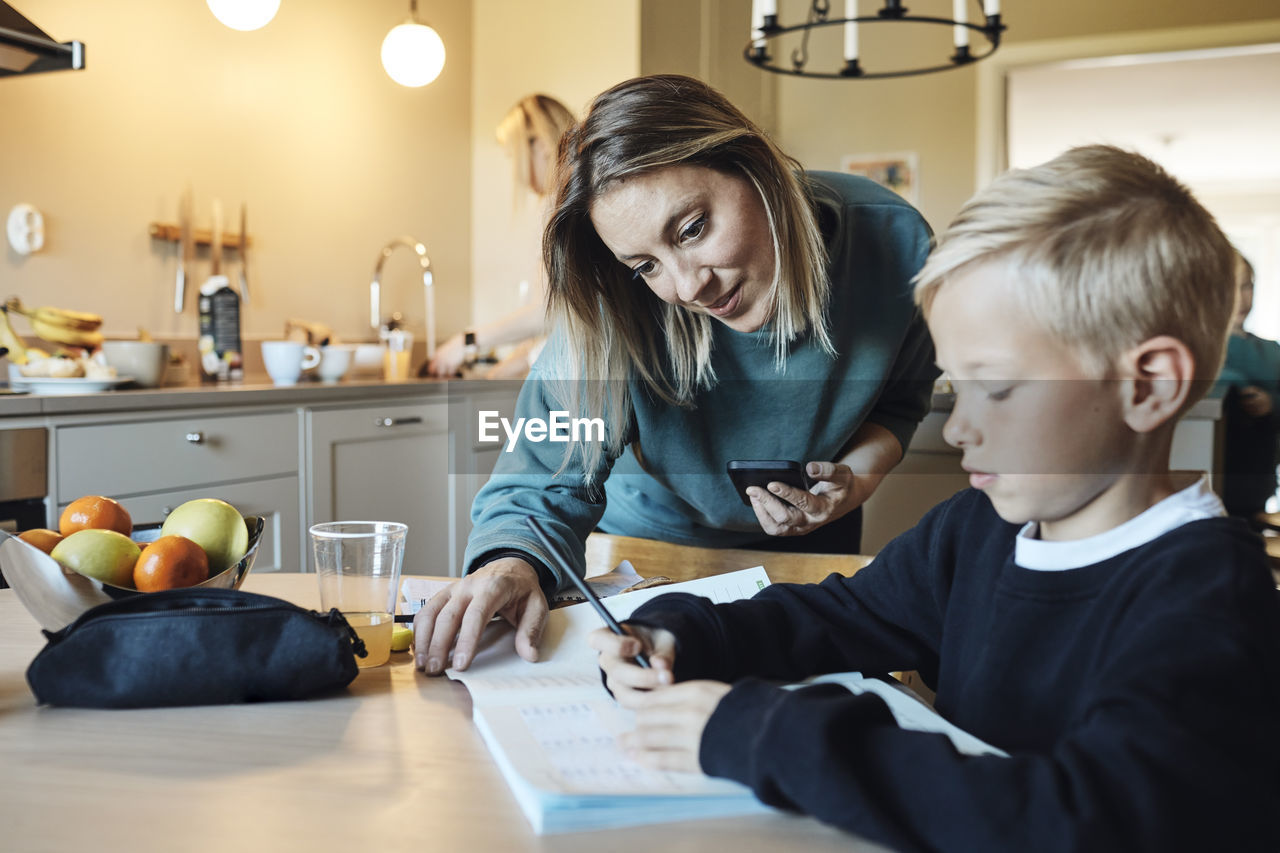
x,y
152,464
478,458
387,460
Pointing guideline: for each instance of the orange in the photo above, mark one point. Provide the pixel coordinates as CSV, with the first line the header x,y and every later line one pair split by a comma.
x,y
97,513
170,562
42,537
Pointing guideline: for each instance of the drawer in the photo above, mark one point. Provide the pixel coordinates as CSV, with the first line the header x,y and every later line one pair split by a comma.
x,y
160,455
379,420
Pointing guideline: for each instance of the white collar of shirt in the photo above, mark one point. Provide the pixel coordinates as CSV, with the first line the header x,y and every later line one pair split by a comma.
x,y
1193,503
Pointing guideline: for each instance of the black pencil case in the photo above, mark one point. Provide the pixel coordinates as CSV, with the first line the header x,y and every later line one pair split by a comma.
x,y
194,647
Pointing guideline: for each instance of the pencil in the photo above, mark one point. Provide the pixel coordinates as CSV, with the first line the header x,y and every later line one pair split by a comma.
x,y
582,585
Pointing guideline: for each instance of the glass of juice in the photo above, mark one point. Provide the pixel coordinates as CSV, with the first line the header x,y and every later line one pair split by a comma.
x,y
358,564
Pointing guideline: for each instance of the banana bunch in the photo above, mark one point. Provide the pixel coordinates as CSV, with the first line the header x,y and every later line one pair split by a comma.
x,y
9,339
60,326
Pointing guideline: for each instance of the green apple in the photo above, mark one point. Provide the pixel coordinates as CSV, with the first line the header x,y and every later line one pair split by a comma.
x,y
105,555
214,525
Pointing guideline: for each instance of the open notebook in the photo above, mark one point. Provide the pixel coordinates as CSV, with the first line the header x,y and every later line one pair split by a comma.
x,y
551,726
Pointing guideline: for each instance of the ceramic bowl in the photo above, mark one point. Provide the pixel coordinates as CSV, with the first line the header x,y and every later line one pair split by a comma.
x,y
56,596
145,361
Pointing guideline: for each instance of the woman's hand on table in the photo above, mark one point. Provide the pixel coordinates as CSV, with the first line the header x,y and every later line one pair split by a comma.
x,y
623,676
455,617
784,510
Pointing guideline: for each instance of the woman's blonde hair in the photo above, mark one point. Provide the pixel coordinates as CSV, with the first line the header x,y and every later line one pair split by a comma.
x,y
534,118
614,329
1111,250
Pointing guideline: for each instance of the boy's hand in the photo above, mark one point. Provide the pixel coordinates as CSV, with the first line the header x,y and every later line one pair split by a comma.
x,y
669,725
625,678
784,510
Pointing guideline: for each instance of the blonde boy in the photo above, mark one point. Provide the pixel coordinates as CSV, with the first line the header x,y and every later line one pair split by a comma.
x,y
1082,607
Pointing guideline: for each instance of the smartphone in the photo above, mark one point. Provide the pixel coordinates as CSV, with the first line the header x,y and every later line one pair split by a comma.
x,y
762,472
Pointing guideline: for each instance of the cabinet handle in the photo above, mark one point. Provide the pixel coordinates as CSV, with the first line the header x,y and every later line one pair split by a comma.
x,y
195,437
394,422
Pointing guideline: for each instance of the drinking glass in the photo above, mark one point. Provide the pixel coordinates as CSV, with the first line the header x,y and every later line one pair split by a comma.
x,y
358,564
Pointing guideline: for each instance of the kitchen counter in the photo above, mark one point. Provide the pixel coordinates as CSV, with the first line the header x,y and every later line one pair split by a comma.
x,y
259,391
253,392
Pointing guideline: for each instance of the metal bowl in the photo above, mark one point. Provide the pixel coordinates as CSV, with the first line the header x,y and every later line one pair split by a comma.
x,y
56,596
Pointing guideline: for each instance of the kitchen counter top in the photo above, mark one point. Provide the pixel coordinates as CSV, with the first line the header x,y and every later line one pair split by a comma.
x,y
252,392
258,391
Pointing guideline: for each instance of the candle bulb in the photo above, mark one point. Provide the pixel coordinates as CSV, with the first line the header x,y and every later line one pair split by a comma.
x,y
757,21
851,30
960,16
990,7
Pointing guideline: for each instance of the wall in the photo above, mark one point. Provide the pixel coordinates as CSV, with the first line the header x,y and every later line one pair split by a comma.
x,y
819,121
298,120
569,49
705,39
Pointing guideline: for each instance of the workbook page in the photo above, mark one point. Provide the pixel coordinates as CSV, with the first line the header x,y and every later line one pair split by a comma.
x,y
567,664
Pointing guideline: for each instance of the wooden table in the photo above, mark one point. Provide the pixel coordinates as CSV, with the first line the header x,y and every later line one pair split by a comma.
x,y
394,764
682,563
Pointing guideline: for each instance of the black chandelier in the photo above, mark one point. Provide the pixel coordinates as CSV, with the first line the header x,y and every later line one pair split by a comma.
x,y
765,28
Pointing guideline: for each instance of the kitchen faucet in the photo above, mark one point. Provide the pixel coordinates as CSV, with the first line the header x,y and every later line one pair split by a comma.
x,y
428,280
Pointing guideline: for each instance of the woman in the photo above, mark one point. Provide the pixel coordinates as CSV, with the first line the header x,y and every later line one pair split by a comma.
x,y
1250,379
710,302
530,132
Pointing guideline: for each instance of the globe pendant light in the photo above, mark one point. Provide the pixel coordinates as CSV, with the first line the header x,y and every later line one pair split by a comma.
x,y
413,53
244,15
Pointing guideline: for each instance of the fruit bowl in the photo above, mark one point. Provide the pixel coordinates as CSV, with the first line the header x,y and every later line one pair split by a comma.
x,y
56,596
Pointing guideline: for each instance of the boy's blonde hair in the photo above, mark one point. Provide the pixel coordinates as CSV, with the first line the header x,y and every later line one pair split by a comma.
x,y
1111,250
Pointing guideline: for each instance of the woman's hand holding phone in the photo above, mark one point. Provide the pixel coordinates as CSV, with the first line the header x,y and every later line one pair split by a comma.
x,y
785,510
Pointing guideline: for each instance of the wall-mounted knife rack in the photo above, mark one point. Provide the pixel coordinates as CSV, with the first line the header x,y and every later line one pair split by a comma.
x,y
201,236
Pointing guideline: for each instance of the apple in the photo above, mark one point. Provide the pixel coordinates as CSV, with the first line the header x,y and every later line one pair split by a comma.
x,y
214,525
106,555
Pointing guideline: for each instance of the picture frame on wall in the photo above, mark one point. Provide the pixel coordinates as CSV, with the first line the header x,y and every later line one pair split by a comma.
x,y
898,171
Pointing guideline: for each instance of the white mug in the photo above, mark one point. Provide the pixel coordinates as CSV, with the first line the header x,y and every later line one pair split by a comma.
x,y
334,361
285,360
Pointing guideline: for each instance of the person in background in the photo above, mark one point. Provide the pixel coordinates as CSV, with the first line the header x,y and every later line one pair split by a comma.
x,y
1250,383
1082,608
712,302
531,133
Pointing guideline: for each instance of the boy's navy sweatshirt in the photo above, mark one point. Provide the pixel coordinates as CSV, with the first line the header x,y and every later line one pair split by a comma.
x,y
1139,697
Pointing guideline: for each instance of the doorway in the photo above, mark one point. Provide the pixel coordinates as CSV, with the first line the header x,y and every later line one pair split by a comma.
x,y
1202,102
1211,117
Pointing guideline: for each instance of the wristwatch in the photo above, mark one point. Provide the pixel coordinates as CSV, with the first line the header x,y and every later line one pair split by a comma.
x,y
469,349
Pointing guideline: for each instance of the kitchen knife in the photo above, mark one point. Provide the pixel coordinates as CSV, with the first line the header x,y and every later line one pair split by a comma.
x,y
244,254
185,249
215,242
